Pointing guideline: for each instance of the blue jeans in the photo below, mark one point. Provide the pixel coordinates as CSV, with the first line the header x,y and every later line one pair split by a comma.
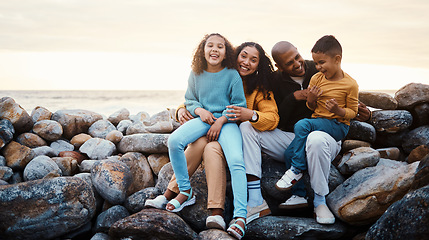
x,y
295,153
232,146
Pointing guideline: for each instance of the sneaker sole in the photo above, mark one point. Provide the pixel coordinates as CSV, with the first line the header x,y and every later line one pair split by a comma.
x,y
283,189
302,205
260,214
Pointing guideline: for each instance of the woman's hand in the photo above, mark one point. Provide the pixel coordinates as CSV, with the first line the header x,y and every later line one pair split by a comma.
x,y
184,115
239,113
214,131
205,115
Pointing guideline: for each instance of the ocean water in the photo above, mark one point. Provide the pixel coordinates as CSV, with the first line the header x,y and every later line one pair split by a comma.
x,y
102,102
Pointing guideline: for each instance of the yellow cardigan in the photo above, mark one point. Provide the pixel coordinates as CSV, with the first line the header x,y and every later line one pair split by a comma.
x,y
266,109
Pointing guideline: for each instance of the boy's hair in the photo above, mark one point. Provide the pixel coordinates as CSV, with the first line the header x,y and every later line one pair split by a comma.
x,y
199,62
261,78
328,45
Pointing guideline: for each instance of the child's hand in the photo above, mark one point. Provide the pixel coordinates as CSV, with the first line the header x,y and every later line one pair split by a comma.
x,y
214,131
333,107
313,93
205,115
183,115
239,113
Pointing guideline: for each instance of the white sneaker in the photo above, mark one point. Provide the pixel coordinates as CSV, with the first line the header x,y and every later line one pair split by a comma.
x,y
324,215
294,202
257,212
159,202
288,180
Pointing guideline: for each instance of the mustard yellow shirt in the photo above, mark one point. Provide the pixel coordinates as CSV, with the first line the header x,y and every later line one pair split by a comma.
x,y
345,91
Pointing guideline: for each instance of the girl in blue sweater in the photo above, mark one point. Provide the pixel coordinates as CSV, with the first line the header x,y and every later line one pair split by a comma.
x,y
212,85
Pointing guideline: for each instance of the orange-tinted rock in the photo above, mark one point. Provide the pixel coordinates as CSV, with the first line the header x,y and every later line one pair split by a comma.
x,y
116,117
68,165
418,153
114,136
17,155
21,120
140,170
31,140
73,154
157,161
80,139
48,129
40,113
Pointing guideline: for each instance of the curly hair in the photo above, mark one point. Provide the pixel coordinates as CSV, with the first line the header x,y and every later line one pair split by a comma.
x,y
199,62
261,78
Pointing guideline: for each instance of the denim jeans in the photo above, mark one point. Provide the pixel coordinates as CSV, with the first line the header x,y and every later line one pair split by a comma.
x,y
295,153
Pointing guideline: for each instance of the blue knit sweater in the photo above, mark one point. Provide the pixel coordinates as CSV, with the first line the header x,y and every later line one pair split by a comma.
x,y
214,91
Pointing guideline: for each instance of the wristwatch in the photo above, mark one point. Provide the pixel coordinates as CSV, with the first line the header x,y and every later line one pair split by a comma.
x,y
254,117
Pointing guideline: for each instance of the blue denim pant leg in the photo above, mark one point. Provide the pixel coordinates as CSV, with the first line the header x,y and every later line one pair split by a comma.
x,y
178,140
304,127
232,145
299,188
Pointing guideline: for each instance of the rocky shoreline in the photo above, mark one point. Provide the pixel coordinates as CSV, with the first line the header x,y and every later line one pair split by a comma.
x,y
74,174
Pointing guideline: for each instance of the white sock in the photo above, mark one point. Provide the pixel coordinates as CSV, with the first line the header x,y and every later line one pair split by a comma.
x,y
255,194
318,200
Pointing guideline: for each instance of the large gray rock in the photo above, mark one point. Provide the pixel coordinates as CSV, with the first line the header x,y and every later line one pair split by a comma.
x,y
293,228
123,126
147,143
39,167
412,94
407,218
75,121
5,173
361,131
46,208
101,128
48,129
111,178
6,132
98,148
20,119
61,146
152,224
378,100
391,120
44,150
357,159
140,170
415,138
364,197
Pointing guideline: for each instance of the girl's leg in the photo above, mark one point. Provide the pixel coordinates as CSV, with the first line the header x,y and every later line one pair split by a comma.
x,y
178,140
231,142
193,154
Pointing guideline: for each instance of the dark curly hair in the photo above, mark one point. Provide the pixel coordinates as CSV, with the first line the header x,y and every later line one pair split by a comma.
x,y
261,78
199,62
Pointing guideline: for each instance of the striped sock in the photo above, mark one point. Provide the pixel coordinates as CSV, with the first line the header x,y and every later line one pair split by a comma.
x,y
255,194
318,200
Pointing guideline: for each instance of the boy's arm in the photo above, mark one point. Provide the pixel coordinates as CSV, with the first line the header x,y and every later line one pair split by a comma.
x,y
352,102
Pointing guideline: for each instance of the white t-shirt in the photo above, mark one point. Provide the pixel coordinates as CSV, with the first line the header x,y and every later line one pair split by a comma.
x,y
298,80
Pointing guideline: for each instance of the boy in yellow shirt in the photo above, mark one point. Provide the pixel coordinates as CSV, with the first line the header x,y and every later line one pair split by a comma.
x,y
333,96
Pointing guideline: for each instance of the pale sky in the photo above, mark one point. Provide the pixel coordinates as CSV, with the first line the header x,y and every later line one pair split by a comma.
x,y
147,45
